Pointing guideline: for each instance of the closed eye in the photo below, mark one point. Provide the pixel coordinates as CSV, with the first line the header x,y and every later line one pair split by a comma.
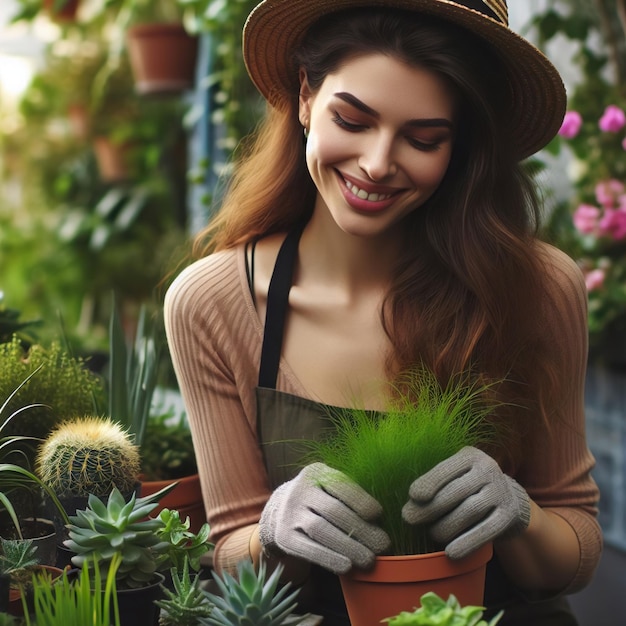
x,y
353,128
424,147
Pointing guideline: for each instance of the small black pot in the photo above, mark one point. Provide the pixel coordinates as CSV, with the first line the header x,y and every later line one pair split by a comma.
x,y
137,606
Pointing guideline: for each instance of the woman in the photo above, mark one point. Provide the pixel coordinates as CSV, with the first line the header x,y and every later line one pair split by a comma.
x,y
381,219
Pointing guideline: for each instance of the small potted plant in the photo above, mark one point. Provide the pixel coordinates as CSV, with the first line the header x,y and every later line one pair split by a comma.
x,y
87,455
18,560
186,603
103,530
16,476
252,598
435,611
424,424
71,601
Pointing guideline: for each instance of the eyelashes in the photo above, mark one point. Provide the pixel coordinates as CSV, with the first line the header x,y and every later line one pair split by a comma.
x,y
355,128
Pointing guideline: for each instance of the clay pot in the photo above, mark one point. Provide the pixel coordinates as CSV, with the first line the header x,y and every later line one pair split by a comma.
x,y
396,583
162,58
186,498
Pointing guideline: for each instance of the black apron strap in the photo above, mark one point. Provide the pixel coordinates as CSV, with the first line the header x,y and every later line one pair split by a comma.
x,y
276,311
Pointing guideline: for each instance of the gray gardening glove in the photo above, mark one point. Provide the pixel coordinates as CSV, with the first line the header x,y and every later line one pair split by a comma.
x,y
469,502
325,518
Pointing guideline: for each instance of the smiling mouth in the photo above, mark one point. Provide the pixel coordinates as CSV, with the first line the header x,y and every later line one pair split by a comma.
x,y
364,195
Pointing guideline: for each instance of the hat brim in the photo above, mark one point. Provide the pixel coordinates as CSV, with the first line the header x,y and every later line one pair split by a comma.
x,y
275,28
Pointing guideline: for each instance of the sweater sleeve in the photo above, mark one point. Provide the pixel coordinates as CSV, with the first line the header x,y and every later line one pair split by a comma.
x,y
557,464
214,339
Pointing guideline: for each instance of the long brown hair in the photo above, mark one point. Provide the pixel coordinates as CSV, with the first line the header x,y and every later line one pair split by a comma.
x,y
467,277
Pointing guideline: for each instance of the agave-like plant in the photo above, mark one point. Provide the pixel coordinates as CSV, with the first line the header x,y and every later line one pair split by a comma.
x,y
251,599
14,470
186,603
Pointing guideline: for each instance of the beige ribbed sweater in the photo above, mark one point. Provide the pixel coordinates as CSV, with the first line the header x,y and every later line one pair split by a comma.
x,y
215,338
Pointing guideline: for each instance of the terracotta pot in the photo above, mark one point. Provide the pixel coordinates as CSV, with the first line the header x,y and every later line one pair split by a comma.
x,y
396,583
67,13
16,607
113,160
186,498
162,58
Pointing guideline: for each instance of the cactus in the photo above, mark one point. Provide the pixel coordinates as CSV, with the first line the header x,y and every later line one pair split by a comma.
x,y
89,455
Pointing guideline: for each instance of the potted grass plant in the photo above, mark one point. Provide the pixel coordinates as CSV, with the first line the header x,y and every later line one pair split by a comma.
x,y
384,453
72,601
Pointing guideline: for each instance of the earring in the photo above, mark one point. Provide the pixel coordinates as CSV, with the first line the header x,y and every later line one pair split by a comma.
x,y
306,132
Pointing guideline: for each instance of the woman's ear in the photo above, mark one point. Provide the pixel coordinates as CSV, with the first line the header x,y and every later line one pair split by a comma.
x,y
304,99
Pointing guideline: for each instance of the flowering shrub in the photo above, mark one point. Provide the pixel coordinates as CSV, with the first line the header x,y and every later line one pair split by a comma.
x,y
597,239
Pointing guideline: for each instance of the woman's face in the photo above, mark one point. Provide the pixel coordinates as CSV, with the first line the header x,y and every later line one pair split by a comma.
x,y
380,140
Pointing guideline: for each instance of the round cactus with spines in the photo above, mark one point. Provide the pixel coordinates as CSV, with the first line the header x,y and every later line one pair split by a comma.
x,y
89,455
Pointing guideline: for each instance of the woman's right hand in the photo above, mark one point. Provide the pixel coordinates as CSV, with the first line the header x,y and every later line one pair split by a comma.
x,y
325,518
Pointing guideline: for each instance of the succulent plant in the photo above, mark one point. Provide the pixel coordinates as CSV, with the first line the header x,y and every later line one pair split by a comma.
x,y
102,530
435,611
89,455
184,545
251,599
18,558
187,602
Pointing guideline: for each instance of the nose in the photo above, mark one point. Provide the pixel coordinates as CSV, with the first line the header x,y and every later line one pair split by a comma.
x,y
378,159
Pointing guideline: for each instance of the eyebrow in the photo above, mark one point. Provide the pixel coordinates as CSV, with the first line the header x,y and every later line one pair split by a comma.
x,y
418,123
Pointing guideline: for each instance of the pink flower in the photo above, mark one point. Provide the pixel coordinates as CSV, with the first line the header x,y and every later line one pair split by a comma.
x,y
613,224
594,279
608,192
613,119
586,218
571,125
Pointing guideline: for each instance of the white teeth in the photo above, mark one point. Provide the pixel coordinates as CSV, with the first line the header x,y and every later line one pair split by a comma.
x,y
363,195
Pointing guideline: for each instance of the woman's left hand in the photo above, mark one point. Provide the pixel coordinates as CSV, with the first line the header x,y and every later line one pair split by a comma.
x,y
469,501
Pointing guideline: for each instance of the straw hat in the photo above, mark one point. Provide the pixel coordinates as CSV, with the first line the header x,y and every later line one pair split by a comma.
x,y
275,28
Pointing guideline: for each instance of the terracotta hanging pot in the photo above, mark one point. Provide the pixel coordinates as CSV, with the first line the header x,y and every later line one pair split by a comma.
x,y
66,13
162,58
186,498
396,583
113,160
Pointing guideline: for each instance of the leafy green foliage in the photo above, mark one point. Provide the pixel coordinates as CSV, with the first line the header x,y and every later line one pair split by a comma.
x,y
167,450
187,602
185,546
73,602
118,527
385,453
434,611
251,599
63,388
11,325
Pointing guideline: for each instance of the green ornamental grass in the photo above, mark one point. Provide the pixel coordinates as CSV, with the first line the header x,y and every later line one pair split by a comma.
x,y
385,452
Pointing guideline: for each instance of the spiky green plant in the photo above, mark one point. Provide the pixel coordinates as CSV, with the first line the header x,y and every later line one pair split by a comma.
x,y
435,611
89,455
384,453
103,530
187,602
18,559
73,602
251,599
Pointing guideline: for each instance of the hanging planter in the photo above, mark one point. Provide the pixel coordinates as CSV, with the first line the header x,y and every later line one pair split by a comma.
x,y
162,58
62,10
396,583
114,162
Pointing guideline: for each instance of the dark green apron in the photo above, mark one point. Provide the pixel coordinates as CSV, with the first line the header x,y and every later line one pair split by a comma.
x,y
283,419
